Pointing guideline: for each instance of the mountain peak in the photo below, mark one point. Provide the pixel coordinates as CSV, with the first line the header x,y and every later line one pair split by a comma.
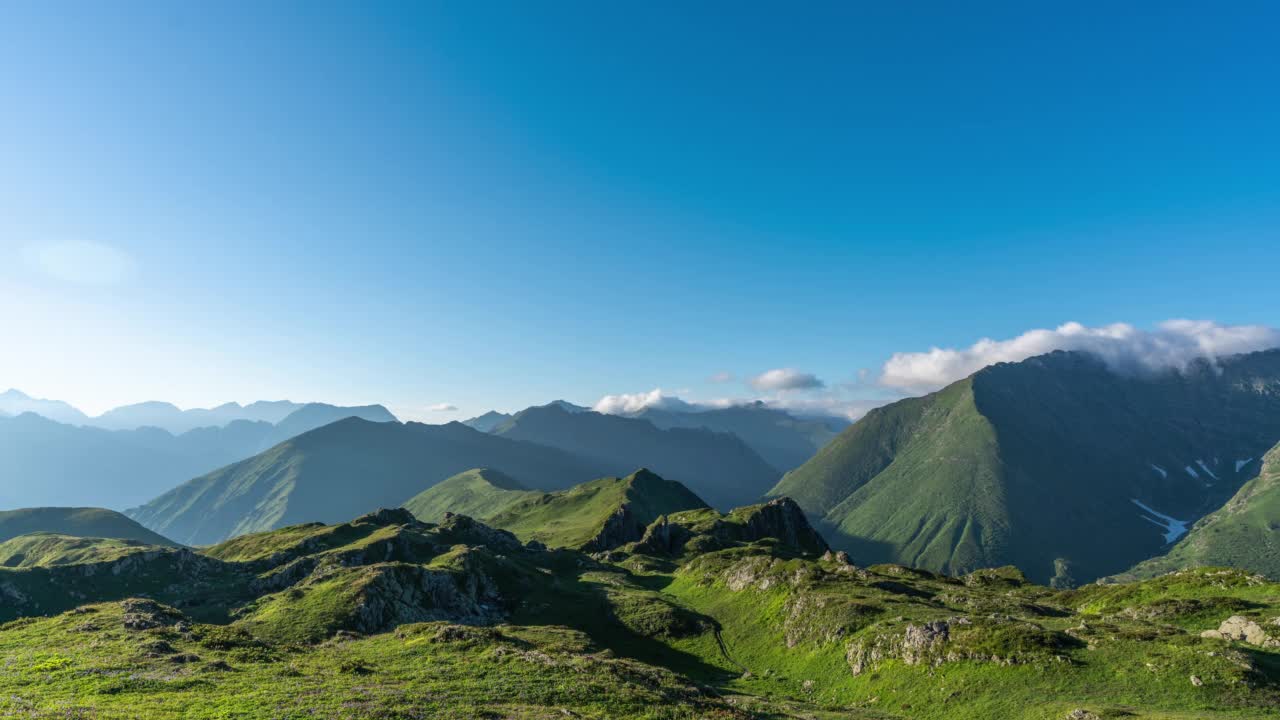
x,y
567,406
1095,440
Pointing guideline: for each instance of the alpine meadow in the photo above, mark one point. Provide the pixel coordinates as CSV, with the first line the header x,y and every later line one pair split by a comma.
x,y
639,361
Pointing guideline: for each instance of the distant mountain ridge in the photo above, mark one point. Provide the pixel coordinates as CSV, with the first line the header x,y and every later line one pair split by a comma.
x,y
782,439
14,403
76,522
1055,464
719,467
123,468
487,422
346,468
165,415
169,417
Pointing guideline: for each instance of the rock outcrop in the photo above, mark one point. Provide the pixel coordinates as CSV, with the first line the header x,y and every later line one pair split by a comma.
x,y
994,639
620,528
398,594
1243,629
782,518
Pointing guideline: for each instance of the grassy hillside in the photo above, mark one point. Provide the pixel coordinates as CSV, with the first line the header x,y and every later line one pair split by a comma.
x,y
1244,533
76,522
388,617
719,467
346,467
601,513
46,549
1056,464
480,493
919,482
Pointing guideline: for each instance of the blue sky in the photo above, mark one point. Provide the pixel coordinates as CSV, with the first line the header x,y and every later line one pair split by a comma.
x,y
496,204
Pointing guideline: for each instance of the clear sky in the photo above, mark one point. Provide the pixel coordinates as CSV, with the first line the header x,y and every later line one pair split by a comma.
x,y
497,204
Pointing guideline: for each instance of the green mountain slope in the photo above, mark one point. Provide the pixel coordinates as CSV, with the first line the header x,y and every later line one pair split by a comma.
x,y
349,466
76,522
741,619
1056,464
596,515
46,549
480,493
719,467
1244,533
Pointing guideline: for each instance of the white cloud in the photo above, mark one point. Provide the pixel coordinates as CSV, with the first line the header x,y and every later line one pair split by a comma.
x,y
785,379
443,407
808,405
627,403
825,404
80,263
1172,345
721,377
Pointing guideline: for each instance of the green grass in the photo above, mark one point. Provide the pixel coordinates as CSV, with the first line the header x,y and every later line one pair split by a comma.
x,y
480,493
46,549
86,665
76,522
918,482
387,617
575,517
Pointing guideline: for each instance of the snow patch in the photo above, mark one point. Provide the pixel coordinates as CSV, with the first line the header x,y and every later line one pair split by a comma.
x,y
1163,473
1192,472
1173,528
1206,469
1242,463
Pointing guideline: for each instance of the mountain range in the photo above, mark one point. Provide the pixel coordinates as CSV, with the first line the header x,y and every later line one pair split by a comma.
x,y
719,467
166,416
1057,464
698,615
346,467
783,440
51,462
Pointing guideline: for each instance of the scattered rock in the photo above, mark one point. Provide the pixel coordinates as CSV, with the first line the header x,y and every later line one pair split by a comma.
x,y
386,516
1238,627
1082,714
159,648
144,614
1195,680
